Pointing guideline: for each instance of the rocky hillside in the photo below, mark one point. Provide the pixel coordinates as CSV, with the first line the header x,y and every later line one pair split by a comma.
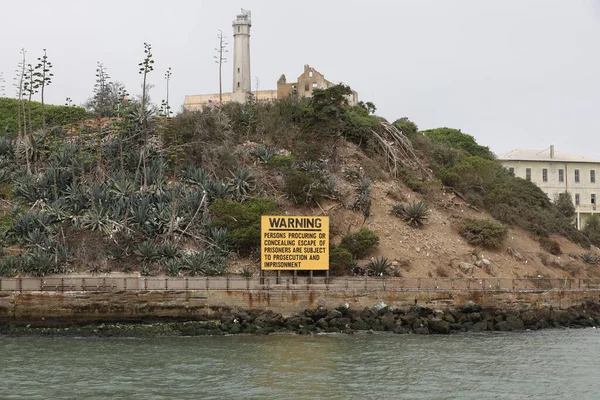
x,y
184,195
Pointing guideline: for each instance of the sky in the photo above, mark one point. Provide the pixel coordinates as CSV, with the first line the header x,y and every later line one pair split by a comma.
x,y
515,74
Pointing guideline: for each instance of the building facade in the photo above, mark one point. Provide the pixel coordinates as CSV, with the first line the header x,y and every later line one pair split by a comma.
x,y
241,92
556,172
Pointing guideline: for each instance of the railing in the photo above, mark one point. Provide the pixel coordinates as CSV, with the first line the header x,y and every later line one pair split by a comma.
x,y
135,284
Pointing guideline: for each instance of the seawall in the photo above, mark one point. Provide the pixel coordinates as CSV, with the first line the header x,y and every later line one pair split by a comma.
x,y
57,308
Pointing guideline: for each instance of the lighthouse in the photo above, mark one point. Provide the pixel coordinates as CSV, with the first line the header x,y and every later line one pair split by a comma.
x,y
241,57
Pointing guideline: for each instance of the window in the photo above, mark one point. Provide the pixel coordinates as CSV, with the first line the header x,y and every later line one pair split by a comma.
x,y
310,74
238,70
306,87
544,175
238,84
314,85
561,175
511,171
528,174
593,176
576,176
238,28
577,201
593,201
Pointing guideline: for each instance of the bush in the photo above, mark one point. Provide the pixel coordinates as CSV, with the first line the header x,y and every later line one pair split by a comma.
x,y
303,187
340,261
551,246
242,220
379,266
361,243
483,232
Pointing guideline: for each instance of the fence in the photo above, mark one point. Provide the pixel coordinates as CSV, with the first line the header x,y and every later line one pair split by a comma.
x,y
116,284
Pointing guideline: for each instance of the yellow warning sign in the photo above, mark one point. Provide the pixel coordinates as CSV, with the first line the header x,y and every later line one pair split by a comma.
x,y
294,243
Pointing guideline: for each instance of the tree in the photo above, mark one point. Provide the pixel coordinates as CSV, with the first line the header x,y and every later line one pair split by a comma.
x,y
592,229
407,127
457,139
43,78
564,204
220,59
328,108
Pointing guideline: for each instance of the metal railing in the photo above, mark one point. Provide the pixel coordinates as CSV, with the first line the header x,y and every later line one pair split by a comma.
x,y
137,284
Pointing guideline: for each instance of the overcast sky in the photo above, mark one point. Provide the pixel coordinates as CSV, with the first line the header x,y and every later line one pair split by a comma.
x,y
513,73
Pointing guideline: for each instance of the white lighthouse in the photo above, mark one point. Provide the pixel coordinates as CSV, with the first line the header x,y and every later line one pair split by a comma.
x,y
241,57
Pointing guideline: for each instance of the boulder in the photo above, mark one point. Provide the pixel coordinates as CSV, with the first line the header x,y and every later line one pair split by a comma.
x,y
515,254
466,268
470,307
400,329
360,325
341,323
421,331
437,325
409,318
479,326
317,313
449,318
388,320
333,314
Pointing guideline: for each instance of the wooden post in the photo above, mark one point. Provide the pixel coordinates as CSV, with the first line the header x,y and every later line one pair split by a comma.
x,y
41,284
310,277
262,277
145,284
83,284
295,277
62,284
125,284
278,276
227,282
166,284
187,286
20,285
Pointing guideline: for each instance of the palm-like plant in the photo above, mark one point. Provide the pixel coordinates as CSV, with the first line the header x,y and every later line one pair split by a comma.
x,y
379,266
414,213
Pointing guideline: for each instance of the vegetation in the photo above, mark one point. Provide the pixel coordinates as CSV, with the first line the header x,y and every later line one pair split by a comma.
x,y
483,232
414,213
379,266
361,243
56,116
340,260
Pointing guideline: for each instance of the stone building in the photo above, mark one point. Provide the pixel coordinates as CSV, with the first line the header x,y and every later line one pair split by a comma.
x,y
556,172
242,78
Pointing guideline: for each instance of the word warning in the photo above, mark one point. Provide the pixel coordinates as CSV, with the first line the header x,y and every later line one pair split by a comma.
x,y
294,243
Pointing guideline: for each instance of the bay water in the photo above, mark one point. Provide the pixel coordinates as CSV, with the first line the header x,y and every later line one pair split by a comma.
x,y
551,364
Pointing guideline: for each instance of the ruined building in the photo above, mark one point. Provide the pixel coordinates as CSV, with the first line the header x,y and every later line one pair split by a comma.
x,y
309,80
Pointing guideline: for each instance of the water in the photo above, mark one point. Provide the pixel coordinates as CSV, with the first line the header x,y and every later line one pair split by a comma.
x,y
553,364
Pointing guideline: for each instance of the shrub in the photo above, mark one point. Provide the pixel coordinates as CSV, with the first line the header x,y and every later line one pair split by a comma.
x,y
414,213
361,243
551,246
303,187
455,138
483,232
340,261
242,220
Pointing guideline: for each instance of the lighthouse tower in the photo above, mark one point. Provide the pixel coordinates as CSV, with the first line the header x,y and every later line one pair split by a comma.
x,y
241,57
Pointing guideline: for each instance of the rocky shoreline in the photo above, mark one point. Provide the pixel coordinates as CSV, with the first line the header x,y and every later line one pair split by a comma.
x,y
343,319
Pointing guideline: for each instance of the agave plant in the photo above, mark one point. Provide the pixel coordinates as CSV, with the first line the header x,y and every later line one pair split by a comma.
x,y
242,184
379,266
198,263
39,239
10,265
414,213
39,262
77,198
264,154
32,220
147,251
7,147
173,266
196,176
168,250
309,166
218,236
590,258
219,189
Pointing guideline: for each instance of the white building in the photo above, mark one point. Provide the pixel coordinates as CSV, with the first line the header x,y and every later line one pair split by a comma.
x,y
556,172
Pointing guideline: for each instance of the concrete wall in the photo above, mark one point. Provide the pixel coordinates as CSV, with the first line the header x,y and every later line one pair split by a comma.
x,y
60,308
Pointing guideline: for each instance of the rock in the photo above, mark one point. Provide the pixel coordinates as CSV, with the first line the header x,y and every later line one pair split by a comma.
x,y
322,323
438,326
317,313
367,314
341,323
479,326
421,331
408,319
360,325
470,307
388,320
466,268
333,314
515,254
449,318
400,330
343,307
380,306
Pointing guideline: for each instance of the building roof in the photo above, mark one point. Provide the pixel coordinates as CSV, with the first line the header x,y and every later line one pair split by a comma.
x,y
544,155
